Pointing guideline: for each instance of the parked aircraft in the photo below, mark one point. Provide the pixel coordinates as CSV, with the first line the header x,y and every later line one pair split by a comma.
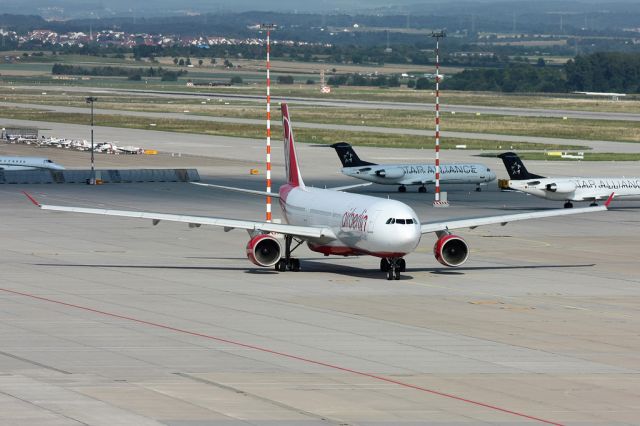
x,y
568,189
334,222
28,163
410,174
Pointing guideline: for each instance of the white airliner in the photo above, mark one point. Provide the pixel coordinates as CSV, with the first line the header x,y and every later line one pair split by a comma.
x,y
568,189
335,222
28,163
410,174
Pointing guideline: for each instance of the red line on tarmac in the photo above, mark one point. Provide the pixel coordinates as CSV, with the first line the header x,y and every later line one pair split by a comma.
x,y
283,354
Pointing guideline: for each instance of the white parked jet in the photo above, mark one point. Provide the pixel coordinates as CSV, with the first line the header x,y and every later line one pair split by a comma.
x,y
568,189
28,163
410,174
334,222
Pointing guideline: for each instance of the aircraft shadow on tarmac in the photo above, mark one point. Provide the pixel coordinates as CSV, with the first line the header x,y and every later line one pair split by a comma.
x,y
315,265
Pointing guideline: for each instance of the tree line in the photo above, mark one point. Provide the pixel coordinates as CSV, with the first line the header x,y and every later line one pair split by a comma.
x,y
597,72
110,71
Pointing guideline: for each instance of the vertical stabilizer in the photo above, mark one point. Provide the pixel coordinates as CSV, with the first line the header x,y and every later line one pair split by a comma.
x,y
515,167
348,156
294,178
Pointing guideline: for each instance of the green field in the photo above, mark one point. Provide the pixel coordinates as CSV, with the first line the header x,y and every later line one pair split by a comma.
x,y
622,131
258,131
37,71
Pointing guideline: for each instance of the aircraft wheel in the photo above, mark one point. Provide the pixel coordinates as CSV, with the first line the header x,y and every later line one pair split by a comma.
x,y
594,204
384,265
295,265
281,265
402,189
389,275
402,265
478,189
422,189
568,205
397,274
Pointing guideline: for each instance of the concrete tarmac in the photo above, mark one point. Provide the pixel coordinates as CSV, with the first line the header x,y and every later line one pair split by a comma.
x,y
107,321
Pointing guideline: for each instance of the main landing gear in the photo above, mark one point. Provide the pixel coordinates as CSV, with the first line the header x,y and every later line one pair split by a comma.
x,y
422,189
568,205
288,263
594,204
402,188
478,188
393,266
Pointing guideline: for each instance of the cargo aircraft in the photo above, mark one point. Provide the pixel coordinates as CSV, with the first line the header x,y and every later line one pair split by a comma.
x,y
28,163
410,174
334,222
568,189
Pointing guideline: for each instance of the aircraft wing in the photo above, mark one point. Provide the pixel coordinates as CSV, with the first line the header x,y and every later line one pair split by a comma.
x,y
272,194
504,219
245,191
195,221
346,187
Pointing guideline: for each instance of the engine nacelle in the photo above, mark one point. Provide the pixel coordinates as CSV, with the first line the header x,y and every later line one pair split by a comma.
x,y
393,173
264,250
451,250
562,187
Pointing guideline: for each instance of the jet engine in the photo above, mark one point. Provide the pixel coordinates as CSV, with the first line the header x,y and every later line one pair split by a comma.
x,y
451,250
562,187
264,250
391,173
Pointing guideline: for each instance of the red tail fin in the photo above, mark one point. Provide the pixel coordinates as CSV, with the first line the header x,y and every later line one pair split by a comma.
x,y
294,178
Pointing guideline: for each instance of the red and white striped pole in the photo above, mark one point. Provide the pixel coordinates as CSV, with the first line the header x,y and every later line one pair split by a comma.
x,y
438,202
268,27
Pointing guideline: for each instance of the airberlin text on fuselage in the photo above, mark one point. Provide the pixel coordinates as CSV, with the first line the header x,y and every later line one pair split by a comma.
x,y
607,183
356,221
419,170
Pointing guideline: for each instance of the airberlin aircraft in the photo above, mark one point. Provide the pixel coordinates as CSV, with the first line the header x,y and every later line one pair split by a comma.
x,y
334,222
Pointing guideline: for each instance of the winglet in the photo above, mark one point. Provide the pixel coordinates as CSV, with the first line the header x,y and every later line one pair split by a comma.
x,y
33,200
609,200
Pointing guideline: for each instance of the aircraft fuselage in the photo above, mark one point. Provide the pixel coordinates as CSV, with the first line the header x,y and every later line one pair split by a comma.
x,y
580,188
363,224
420,174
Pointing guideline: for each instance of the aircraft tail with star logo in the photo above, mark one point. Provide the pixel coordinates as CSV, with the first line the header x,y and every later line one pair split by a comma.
x,y
348,156
515,167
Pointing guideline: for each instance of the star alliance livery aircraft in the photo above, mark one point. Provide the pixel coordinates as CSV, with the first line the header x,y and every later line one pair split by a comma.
x,y
410,174
568,189
335,222
28,163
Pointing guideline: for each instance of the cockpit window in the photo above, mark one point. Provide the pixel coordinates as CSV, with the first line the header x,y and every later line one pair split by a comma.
x,y
488,169
392,221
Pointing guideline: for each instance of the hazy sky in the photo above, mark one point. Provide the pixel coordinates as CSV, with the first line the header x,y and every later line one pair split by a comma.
x,y
104,8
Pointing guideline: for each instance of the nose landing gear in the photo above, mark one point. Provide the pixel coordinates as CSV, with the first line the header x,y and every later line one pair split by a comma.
x,y
393,266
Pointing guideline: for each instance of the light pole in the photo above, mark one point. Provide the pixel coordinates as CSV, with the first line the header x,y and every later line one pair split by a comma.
x,y
268,28
438,202
92,179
